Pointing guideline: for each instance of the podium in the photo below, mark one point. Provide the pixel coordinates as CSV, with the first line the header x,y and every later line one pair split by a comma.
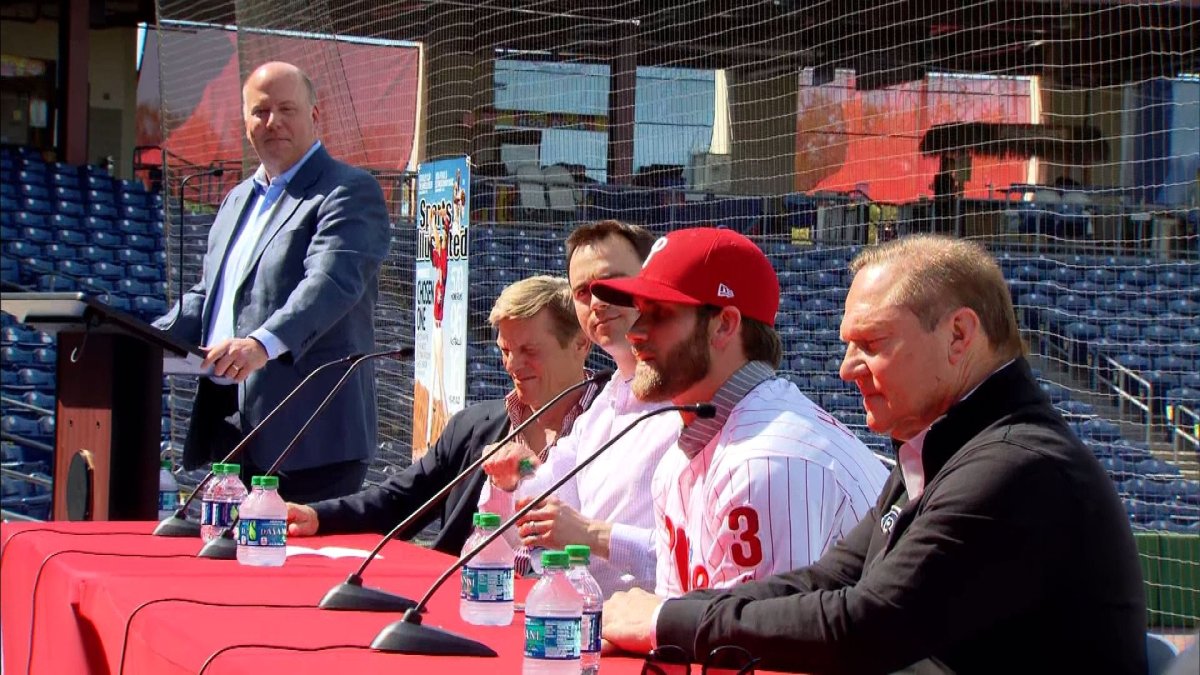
x,y
109,403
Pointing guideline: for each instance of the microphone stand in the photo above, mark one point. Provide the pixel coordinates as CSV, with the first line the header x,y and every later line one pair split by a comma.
x,y
352,595
178,525
409,636
215,172
224,547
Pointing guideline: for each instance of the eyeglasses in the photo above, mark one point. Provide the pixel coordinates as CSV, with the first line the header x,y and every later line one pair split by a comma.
x,y
724,660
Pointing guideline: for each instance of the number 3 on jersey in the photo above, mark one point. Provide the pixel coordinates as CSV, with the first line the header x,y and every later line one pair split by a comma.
x,y
743,522
746,550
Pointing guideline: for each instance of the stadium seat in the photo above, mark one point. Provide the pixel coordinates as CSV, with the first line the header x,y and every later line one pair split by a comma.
x,y
29,219
101,210
106,270
39,206
97,254
68,208
130,256
127,226
33,190
107,239
21,249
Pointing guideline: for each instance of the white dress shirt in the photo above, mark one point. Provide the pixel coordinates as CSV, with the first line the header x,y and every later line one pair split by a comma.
x,y
615,488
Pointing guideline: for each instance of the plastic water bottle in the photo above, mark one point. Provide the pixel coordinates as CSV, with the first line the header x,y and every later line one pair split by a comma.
x,y
487,581
553,614
221,501
593,605
262,525
526,469
168,491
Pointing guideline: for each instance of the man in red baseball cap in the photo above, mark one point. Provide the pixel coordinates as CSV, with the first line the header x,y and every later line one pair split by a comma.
x,y
771,481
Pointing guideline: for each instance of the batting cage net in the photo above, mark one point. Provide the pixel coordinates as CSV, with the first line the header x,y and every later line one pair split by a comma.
x,y
1063,136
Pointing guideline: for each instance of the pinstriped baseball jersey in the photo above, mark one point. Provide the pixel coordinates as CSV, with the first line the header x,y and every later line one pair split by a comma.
x,y
776,485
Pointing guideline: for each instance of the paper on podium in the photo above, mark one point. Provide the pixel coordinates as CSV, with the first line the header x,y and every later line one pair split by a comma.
x,y
184,365
329,552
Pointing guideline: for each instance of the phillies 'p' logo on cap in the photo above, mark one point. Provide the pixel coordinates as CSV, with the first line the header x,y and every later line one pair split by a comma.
x,y
702,266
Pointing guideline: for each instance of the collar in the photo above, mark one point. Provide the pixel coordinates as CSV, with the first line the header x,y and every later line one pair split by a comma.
x,y
260,175
909,455
1002,393
518,412
700,432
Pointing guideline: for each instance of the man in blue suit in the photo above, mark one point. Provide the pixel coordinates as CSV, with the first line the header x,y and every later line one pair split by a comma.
x,y
289,283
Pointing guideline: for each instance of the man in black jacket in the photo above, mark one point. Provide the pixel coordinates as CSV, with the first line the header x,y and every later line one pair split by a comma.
x,y
544,349
998,544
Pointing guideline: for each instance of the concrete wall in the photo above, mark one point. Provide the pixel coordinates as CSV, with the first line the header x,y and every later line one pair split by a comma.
x,y
112,79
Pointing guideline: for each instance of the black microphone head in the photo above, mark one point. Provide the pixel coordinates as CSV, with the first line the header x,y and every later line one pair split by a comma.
x,y
405,352
704,410
218,171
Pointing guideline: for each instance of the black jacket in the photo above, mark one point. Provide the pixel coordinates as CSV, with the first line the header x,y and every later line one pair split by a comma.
x,y
1016,558
380,508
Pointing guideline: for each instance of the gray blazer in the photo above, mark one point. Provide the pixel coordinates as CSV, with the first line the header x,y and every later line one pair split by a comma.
x,y
312,281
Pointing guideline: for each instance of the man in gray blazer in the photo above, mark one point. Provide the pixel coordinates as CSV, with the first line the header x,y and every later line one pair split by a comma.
x,y
289,283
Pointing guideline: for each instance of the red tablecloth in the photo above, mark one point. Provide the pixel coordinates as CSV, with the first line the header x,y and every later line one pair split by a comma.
x,y
110,598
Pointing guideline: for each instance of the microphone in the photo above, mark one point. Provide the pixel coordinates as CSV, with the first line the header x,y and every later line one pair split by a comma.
x,y
215,172
177,525
409,636
224,547
352,595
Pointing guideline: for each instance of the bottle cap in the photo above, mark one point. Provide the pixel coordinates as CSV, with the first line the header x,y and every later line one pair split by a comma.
x,y
266,482
475,520
489,520
525,467
578,553
555,560
233,468
255,481
165,464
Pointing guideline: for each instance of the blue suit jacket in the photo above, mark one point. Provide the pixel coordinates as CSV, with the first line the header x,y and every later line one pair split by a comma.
x,y
381,507
312,281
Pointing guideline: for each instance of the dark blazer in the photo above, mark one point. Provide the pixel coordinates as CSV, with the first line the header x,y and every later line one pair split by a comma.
x,y
312,282
1016,558
381,507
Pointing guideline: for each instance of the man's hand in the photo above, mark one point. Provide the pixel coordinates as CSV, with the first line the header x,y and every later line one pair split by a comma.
x,y
503,468
235,358
627,618
553,524
301,520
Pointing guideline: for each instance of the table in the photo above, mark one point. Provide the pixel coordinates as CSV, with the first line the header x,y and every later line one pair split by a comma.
x,y
110,598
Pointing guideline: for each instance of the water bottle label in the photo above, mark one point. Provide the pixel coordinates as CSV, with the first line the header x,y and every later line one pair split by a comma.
x,y
552,638
589,635
218,514
168,500
262,532
487,584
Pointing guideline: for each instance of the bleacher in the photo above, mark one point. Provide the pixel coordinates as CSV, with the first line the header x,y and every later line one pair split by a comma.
x,y
1105,316
64,228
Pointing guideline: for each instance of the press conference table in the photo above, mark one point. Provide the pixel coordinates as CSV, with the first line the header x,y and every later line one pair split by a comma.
x,y
109,598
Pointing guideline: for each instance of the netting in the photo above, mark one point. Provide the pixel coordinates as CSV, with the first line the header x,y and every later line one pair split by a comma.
x,y
1065,136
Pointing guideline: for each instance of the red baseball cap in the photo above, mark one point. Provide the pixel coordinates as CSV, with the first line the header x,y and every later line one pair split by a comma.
x,y
702,266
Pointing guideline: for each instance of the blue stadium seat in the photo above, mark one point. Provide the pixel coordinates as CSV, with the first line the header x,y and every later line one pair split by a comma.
x,y
107,239
95,224
1157,467
97,254
39,206
21,249
15,357
33,266
106,270
45,356
1076,409
33,190
1100,429
99,284
35,378
1185,396
144,243
65,180
146,272
74,268
127,226
29,219
70,237
67,194
68,208
1137,277
131,198
1185,307
101,210
134,213
59,252
1160,334
149,307
100,183
130,256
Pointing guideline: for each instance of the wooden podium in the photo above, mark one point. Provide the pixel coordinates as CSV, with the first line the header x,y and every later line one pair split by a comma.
x,y
109,408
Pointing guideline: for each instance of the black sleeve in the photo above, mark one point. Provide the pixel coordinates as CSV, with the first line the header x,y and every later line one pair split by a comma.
x,y
978,551
381,507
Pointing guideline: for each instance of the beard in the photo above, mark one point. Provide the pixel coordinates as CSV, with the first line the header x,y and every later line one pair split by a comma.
x,y
674,373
